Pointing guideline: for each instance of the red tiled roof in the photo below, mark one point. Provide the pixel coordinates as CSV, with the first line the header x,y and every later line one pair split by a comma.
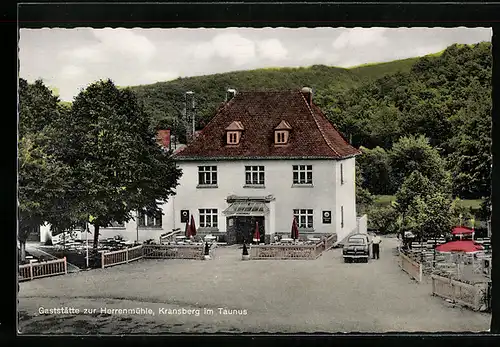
x,y
311,134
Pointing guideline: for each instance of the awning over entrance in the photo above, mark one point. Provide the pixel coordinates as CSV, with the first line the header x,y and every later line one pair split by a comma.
x,y
246,208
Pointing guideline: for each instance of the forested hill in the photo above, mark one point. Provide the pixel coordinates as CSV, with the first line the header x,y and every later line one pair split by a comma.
x,y
446,97
164,101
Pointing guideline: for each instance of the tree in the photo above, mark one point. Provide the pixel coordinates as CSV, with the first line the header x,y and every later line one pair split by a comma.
x,y
431,216
363,196
414,153
112,149
470,157
383,219
375,166
44,180
415,185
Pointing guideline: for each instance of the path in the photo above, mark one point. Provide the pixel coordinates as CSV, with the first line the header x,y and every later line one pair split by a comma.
x,y
323,295
34,250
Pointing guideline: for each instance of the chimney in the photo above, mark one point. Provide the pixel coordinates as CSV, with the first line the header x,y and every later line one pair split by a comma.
x,y
230,93
308,94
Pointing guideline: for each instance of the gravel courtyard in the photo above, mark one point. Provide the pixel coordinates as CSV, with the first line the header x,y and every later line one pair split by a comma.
x,y
323,295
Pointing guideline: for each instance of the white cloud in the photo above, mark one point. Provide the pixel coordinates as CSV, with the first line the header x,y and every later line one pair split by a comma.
x,y
359,37
84,54
71,71
203,50
125,41
313,54
70,59
272,49
235,47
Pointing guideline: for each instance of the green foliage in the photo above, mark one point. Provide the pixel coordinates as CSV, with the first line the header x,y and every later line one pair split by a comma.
x,y
444,97
43,177
164,101
430,215
382,218
363,196
376,168
411,154
113,151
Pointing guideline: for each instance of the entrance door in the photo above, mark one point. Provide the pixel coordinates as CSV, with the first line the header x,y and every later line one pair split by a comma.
x,y
244,228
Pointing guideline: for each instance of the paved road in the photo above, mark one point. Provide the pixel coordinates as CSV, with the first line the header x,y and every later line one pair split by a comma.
x,y
323,295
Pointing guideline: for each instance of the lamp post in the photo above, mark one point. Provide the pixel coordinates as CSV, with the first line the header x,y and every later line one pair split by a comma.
x,y
87,243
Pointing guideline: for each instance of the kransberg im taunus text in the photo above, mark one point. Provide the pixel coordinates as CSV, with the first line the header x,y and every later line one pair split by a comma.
x,y
144,311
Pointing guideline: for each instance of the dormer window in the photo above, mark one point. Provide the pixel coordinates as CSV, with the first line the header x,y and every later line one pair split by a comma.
x,y
233,137
282,133
281,137
233,133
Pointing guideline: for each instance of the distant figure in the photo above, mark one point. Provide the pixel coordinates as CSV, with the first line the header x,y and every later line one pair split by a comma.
x,y
376,247
276,238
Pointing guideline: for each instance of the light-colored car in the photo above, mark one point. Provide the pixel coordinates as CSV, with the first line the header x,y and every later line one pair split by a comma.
x,y
357,247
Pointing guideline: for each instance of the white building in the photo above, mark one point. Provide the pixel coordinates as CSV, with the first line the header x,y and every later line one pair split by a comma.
x,y
264,158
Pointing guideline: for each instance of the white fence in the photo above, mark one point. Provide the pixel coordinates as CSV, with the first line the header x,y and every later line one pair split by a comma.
x,y
282,252
173,251
473,296
411,267
121,257
43,269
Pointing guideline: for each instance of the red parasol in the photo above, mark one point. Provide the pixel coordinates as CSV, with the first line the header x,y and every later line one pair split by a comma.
x,y
192,227
256,235
460,230
187,232
466,246
295,229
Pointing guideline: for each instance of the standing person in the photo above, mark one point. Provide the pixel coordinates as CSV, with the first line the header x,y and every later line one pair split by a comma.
x,y
376,246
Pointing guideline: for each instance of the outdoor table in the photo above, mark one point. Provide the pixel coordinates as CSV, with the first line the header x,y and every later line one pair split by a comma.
x,y
314,239
180,237
286,240
209,238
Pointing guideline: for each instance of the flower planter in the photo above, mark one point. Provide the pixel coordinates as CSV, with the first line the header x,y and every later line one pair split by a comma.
x,y
206,257
245,257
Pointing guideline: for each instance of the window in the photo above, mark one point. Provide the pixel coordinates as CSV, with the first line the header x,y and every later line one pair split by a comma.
x,y
233,137
150,219
302,174
254,175
341,216
208,218
341,173
281,137
304,218
207,175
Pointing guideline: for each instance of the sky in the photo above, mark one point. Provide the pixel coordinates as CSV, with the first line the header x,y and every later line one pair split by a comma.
x,y
68,60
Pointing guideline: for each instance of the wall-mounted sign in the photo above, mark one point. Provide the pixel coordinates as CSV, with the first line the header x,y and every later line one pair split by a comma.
x,y
184,216
231,222
327,217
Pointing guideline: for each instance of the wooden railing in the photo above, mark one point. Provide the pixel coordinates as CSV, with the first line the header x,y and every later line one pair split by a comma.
x,y
466,294
121,257
169,236
173,251
43,269
283,252
411,267
330,241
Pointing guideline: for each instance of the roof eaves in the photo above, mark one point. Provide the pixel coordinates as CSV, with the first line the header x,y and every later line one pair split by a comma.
x,y
199,158
319,126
